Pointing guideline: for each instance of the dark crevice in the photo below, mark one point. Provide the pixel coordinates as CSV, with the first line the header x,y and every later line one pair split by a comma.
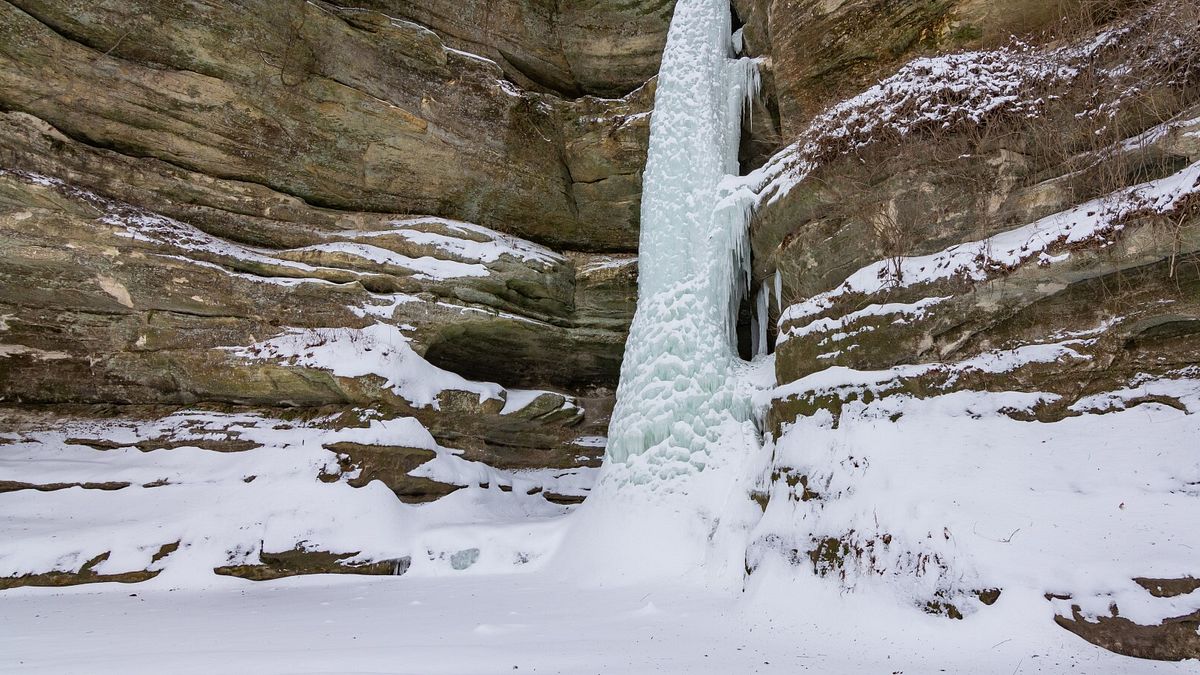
x,y
745,340
555,88
599,180
182,312
735,20
518,357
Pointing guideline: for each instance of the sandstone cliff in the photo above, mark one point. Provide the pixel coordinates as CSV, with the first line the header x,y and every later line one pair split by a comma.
x,y
224,217
182,179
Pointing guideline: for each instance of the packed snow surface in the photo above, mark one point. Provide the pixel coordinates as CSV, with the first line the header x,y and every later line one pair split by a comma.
x,y
488,625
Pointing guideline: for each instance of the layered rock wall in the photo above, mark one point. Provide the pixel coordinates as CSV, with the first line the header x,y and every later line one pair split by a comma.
x,y
976,218
183,184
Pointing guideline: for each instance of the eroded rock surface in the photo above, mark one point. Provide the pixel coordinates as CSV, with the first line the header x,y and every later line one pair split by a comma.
x,y
580,46
341,108
824,51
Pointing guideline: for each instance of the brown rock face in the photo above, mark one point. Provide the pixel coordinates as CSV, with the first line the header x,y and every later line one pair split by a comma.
x,y
85,575
342,108
890,247
572,47
290,563
893,204
1174,639
178,182
99,311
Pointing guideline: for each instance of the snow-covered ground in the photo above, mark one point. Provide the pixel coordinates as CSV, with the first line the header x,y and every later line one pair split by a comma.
x,y
1065,507
949,494
519,624
1032,507
127,489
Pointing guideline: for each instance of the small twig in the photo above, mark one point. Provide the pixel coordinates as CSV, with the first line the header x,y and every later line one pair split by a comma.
x,y
1005,540
117,43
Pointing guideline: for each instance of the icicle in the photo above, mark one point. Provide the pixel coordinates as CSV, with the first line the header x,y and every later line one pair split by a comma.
x,y
755,328
762,312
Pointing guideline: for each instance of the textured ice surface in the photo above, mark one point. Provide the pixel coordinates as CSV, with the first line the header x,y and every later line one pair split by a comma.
x,y
672,500
678,395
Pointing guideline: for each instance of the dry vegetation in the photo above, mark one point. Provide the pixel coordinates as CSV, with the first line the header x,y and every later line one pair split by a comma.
x,y
1076,101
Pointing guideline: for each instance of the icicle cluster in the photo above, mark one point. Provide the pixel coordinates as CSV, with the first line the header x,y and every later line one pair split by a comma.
x,y
678,396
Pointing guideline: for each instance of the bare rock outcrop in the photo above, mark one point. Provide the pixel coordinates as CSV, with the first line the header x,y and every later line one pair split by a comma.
x,y
597,47
342,108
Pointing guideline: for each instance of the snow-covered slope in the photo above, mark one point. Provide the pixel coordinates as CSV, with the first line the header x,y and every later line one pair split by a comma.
x,y
986,353
179,497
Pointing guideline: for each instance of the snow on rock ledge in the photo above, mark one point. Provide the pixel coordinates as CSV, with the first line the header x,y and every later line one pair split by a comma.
x,y
380,349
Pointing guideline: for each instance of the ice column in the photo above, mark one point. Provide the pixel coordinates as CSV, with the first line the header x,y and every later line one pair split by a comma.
x,y
678,395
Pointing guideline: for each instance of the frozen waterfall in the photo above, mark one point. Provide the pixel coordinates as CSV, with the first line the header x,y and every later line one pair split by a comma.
x,y
678,403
